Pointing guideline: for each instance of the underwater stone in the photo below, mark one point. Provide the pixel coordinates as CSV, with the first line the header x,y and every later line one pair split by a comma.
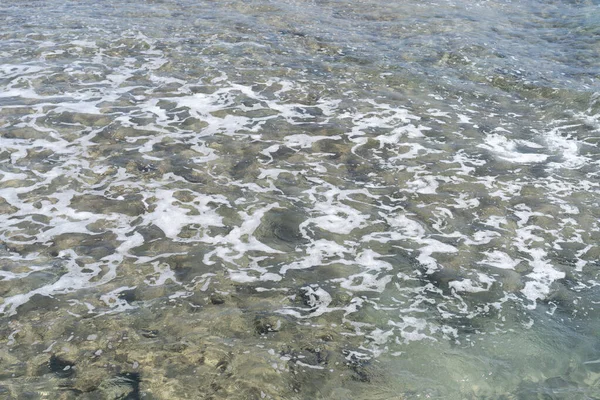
x,y
124,386
266,324
280,229
216,299
61,367
128,295
150,333
39,303
130,204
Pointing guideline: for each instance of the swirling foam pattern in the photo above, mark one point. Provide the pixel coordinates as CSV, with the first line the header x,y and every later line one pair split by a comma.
x,y
298,200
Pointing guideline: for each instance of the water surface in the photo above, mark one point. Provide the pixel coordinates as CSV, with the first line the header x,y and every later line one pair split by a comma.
x,y
299,199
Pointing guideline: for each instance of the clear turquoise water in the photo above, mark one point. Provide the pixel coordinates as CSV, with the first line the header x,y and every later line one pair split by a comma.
x,y
299,200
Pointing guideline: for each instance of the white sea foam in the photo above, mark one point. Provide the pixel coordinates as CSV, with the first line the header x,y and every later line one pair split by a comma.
x,y
566,147
506,149
499,259
171,218
467,285
304,141
374,276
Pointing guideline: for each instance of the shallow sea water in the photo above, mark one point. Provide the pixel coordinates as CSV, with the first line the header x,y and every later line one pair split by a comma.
x,y
299,199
